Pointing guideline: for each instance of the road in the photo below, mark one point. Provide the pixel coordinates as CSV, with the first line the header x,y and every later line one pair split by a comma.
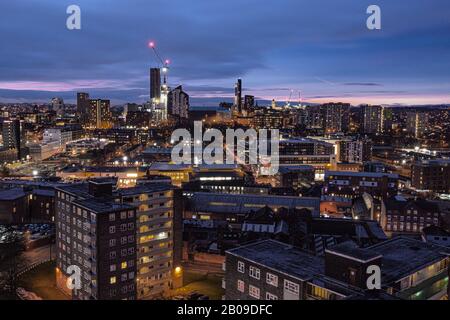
x,y
30,257
36,255
203,267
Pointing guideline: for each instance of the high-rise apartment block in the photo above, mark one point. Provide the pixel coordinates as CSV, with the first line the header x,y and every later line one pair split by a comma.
x,y
178,103
13,136
336,117
100,116
372,119
353,150
249,102
237,107
83,103
121,239
155,84
431,175
416,123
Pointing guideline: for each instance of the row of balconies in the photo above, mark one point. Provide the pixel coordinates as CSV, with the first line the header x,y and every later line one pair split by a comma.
x,y
153,251
155,269
161,259
156,229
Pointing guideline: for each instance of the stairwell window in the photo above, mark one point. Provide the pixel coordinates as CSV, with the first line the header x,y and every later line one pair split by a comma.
x,y
253,292
270,296
241,286
272,279
291,287
254,273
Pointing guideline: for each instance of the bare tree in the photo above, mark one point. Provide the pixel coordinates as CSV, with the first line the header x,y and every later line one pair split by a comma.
x,y
10,259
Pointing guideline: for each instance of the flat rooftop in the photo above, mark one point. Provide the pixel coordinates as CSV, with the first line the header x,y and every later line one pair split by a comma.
x,y
12,194
304,140
246,203
361,174
106,169
282,258
296,168
155,150
82,189
102,205
403,256
435,162
77,189
44,192
165,166
145,188
351,250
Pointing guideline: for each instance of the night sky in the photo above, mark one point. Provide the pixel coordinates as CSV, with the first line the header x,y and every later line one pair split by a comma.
x,y
321,47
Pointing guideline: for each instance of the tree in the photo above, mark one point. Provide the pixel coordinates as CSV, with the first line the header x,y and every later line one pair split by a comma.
x,y
10,260
4,172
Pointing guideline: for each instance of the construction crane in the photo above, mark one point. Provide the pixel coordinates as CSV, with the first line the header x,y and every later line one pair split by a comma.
x,y
288,103
164,64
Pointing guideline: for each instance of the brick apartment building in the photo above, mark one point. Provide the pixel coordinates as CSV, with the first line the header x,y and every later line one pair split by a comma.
x,y
431,175
271,270
122,239
400,215
346,184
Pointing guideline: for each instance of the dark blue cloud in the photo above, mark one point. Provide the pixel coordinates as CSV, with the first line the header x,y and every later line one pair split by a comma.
x,y
276,44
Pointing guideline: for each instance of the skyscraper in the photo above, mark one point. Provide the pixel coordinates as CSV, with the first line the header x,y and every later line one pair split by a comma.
x,y
127,242
178,103
372,119
13,136
249,102
155,84
354,150
336,117
99,114
83,104
238,97
57,105
416,123
313,117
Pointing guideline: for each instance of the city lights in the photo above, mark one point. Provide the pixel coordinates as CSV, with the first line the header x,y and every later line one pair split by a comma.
x,y
241,152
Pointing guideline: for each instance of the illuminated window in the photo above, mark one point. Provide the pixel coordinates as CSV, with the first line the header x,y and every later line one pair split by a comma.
x,y
241,285
253,292
270,296
254,273
123,265
272,279
291,287
112,280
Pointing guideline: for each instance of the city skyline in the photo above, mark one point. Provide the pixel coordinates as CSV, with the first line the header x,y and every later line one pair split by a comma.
x,y
323,50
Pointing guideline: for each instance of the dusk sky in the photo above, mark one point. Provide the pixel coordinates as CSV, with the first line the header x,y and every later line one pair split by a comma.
x,y
320,47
